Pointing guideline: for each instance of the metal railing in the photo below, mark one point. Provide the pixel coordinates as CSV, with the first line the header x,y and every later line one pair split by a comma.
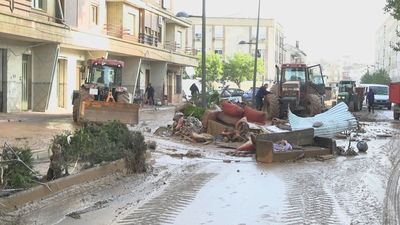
x,y
148,39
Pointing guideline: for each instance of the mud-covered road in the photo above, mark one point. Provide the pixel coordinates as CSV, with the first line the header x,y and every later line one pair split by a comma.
x,y
362,189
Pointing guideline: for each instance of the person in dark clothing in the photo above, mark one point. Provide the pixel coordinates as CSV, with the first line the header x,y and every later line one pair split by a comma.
x,y
194,91
371,100
261,93
150,94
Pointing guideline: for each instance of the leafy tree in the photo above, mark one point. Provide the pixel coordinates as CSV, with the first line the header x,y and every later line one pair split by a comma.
x,y
378,77
241,67
214,68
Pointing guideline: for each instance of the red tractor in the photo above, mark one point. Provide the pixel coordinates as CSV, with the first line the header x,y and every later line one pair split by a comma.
x,y
297,87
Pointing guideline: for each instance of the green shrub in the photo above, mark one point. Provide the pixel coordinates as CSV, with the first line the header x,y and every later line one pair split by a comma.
x,y
16,174
194,111
103,142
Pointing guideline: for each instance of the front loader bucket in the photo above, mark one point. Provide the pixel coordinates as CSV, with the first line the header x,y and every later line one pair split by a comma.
x,y
98,111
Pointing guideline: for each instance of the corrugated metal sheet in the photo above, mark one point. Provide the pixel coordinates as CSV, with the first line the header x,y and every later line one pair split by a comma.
x,y
335,120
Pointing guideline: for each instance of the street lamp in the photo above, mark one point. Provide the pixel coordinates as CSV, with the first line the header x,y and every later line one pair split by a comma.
x,y
203,52
256,54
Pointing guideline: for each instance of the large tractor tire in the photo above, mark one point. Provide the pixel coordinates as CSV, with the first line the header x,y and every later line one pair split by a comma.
x,y
356,106
352,107
75,109
274,89
123,97
271,106
313,105
396,115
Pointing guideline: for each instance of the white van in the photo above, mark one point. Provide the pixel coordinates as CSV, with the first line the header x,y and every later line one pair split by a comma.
x,y
381,94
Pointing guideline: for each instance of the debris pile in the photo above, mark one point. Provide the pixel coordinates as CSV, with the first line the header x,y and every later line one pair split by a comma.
x,y
238,127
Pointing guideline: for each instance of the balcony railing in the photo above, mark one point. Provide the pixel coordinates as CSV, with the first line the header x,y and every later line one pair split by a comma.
x,y
176,47
148,39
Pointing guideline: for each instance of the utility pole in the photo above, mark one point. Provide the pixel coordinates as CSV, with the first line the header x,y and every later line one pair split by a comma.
x,y
256,56
203,57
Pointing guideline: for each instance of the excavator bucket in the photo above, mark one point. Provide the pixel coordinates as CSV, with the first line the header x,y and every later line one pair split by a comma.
x,y
98,111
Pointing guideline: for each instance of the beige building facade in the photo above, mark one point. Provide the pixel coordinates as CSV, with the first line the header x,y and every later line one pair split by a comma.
x,y
385,57
45,44
224,34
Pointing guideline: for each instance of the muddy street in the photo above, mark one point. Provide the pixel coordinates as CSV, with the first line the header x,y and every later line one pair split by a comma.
x,y
220,189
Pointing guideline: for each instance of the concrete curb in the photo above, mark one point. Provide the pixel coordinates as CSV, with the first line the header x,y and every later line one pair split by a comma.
x,y
17,200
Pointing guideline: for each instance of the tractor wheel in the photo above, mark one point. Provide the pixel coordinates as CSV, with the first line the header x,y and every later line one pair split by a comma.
x,y
396,115
123,97
389,106
351,106
274,89
313,105
271,106
75,109
356,106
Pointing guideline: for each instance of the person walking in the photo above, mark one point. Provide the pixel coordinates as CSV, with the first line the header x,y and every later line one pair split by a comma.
x,y
194,91
150,94
261,93
371,100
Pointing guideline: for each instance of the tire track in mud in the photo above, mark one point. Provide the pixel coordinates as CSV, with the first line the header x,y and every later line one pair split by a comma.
x,y
163,208
392,198
391,211
307,202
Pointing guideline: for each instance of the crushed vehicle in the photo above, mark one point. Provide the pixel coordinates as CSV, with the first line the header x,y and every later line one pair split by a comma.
x,y
297,87
102,97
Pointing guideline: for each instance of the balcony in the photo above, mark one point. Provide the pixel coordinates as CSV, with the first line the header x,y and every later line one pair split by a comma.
x,y
148,39
24,8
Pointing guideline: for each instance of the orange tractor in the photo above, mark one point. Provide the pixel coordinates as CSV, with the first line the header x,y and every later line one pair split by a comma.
x,y
102,98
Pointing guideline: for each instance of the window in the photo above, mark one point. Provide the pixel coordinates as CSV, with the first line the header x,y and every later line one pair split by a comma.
x,y
178,84
178,39
262,33
166,4
197,32
130,23
295,74
218,51
219,32
94,14
38,4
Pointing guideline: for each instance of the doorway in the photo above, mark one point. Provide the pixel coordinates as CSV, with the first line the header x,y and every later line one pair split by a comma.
x,y
62,83
26,84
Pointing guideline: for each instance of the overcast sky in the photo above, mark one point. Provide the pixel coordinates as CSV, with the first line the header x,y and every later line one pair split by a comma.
x,y
328,29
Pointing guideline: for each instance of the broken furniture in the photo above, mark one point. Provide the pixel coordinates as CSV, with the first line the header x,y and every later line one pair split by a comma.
x,y
303,141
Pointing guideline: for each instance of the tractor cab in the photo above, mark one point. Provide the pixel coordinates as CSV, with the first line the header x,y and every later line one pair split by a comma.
x,y
296,81
105,72
104,76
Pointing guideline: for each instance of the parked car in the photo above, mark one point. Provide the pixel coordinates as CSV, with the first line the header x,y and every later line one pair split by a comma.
x,y
232,94
248,95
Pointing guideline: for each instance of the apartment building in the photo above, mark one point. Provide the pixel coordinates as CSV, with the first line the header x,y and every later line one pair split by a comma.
x,y
385,57
224,34
293,54
44,45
